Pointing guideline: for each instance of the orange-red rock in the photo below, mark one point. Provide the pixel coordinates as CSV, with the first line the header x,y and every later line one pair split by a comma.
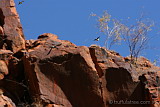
x,y
3,69
60,74
10,22
80,76
1,31
68,71
5,101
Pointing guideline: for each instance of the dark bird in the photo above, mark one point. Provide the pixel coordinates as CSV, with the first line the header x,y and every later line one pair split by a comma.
x,y
51,49
55,46
97,39
20,2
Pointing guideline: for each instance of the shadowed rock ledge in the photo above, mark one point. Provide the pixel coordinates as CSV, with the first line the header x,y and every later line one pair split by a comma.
x,y
49,72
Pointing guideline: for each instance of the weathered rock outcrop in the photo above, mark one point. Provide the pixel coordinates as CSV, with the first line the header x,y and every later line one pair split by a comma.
x,y
100,77
11,34
68,71
123,83
49,72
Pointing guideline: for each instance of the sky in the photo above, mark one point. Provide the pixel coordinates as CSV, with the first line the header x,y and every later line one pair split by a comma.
x,y
70,20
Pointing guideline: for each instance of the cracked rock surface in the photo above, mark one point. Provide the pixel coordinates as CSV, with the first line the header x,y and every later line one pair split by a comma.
x,y
79,76
49,72
10,26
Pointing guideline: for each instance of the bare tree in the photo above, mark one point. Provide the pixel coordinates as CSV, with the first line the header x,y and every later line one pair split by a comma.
x,y
135,36
111,28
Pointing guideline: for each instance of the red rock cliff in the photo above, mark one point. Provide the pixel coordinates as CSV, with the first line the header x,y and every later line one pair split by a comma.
x,y
49,72
10,26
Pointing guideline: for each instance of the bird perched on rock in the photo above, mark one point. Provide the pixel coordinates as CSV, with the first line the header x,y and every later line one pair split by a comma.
x,y
97,39
51,49
54,46
20,2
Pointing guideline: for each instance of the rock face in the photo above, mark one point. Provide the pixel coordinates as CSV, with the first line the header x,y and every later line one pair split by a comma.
x,y
124,84
11,33
68,71
82,77
3,69
49,72
5,101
